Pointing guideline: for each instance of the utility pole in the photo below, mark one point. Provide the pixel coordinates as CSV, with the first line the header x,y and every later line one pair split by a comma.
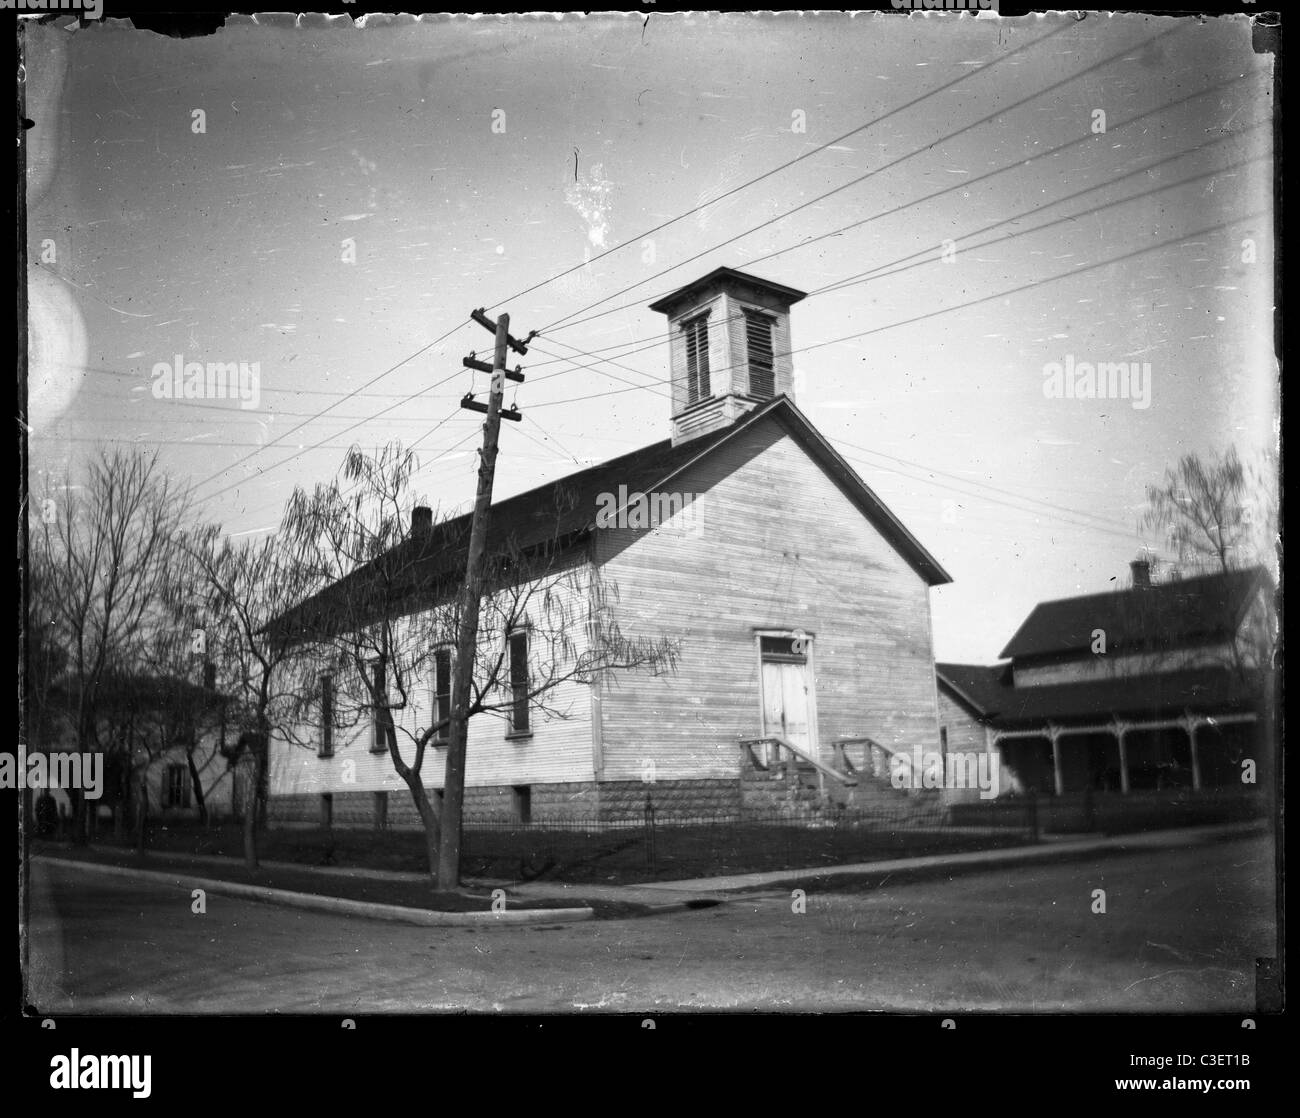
x,y
472,591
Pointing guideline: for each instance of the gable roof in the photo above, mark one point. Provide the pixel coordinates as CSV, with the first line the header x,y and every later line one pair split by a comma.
x,y
1186,612
562,512
988,693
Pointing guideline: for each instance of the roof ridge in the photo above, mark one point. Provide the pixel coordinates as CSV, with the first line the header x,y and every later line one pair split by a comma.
x,y
1254,568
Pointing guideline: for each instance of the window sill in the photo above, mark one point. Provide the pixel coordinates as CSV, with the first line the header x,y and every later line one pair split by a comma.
x,y
523,735
324,755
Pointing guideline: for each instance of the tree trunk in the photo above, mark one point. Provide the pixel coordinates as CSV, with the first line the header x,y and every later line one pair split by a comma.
x,y
250,814
78,817
196,783
431,821
142,815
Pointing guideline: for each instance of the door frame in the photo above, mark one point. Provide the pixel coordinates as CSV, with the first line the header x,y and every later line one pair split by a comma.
x,y
810,679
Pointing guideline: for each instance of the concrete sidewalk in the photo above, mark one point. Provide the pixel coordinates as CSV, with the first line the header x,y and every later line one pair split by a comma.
x,y
896,869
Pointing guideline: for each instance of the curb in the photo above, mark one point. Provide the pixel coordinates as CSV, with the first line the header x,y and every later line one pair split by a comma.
x,y
337,905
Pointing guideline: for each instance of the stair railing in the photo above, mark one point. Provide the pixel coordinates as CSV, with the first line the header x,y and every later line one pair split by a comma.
x,y
794,754
873,748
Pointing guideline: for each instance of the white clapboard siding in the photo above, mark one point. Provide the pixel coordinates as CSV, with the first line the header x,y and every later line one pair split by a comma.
x,y
559,750
965,732
781,547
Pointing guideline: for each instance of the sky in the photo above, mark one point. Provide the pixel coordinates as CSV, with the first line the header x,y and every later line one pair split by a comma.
x,y
329,202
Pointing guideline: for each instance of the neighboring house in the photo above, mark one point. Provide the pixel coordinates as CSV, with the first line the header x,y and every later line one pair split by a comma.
x,y
801,604
1132,690
165,731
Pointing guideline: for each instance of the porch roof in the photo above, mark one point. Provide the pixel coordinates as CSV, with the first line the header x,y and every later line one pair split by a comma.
x,y
988,693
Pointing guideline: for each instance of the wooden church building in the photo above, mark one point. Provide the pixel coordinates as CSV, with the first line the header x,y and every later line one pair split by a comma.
x,y
800,605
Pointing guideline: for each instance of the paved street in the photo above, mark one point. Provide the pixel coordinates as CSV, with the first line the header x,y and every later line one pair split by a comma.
x,y
1180,933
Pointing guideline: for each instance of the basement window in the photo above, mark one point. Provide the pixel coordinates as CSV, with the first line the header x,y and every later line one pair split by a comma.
x,y
759,329
522,797
697,359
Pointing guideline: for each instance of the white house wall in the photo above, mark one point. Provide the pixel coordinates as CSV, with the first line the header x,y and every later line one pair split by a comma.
x,y
559,750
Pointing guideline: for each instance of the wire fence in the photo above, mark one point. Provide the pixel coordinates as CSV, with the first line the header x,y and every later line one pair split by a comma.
x,y
657,845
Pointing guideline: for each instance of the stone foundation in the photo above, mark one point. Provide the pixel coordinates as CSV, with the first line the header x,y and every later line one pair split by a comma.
x,y
672,799
584,800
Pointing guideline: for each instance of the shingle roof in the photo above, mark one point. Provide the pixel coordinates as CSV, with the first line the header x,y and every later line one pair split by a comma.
x,y
667,302
563,511
988,691
1170,614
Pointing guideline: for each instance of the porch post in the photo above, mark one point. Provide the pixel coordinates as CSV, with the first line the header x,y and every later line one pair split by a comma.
x,y
1120,730
1189,724
1057,775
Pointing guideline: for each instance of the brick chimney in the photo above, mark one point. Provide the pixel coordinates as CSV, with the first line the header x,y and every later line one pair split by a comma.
x,y
1141,569
421,522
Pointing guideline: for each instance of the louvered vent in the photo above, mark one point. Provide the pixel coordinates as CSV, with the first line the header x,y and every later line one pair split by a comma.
x,y
758,337
697,358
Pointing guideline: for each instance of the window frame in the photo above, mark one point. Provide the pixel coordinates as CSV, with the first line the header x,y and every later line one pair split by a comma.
x,y
436,713
326,698
181,773
512,685
379,685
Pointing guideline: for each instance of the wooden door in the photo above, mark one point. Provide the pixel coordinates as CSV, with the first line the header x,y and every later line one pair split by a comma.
x,y
785,702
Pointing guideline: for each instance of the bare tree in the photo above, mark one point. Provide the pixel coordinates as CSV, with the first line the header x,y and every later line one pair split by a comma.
x,y
1220,516
393,598
101,551
41,714
235,588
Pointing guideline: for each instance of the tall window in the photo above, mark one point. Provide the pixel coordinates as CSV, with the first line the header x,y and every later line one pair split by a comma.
x,y
441,694
758,336
697,358
380,677
518,655
176,786
327,715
